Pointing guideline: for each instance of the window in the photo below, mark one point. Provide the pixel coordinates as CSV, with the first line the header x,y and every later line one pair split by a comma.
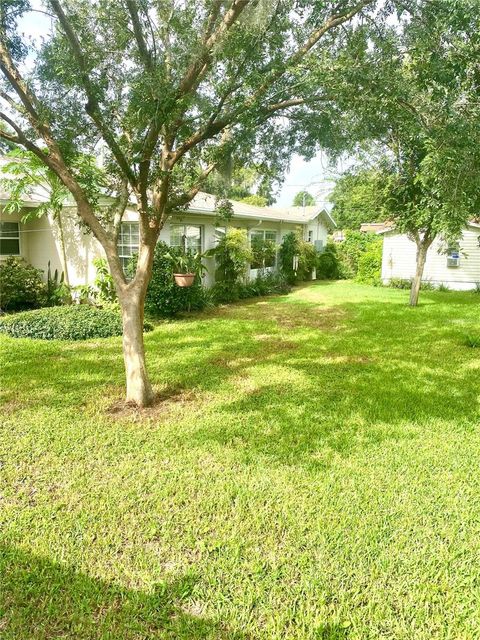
x,y
310,236
9,239
128,242
263,244
186,236
453,256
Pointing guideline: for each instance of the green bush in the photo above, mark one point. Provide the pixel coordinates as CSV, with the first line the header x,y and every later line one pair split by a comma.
x,y
403,283
72,322
370,264
294,246
399,283
164,297
21,285
350,250
307,261
327,263
263,285
57,292
233,255
289,248
103,283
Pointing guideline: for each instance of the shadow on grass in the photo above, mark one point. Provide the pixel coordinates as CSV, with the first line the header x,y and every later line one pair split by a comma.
x,y
40,600
351,375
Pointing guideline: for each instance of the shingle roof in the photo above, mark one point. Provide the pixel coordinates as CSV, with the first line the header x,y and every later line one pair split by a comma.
x,y
204,203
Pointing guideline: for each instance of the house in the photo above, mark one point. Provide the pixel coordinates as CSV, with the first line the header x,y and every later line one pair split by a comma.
x,y
38,240
456,267
374,227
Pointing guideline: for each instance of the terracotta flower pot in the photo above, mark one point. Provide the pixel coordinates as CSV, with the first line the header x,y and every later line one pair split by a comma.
x,y
184,279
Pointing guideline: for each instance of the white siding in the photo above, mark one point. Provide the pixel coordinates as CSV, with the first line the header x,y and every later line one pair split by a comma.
x,y
399,258
39,240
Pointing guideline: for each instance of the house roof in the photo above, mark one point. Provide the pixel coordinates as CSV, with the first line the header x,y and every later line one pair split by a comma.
x,y
375,227
204,203
470,223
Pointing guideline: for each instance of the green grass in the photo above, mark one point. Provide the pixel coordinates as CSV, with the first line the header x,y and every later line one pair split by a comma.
x,y
311,473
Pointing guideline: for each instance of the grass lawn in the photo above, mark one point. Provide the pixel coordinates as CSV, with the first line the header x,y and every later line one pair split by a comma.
x,y
312,473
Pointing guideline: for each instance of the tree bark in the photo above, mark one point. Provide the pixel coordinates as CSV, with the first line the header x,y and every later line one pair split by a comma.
x,y
139,389
422,248
58,218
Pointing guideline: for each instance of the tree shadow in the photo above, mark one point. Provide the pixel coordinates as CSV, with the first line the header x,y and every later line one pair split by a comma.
x,y
41,599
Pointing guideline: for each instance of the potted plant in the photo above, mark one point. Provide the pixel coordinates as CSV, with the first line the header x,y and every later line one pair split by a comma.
x,y
186,265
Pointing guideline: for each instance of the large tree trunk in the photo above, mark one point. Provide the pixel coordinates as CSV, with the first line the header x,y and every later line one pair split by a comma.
x,y
422,248
139,389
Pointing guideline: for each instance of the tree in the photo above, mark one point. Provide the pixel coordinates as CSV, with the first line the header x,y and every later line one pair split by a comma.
x,y
255,200
165,91
418,119
303,199
355,199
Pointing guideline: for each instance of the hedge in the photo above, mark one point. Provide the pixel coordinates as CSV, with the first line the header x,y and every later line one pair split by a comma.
x,y
73,322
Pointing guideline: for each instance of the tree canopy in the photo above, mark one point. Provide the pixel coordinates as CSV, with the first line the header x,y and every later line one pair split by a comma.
x,y
356,198
418,122
303,199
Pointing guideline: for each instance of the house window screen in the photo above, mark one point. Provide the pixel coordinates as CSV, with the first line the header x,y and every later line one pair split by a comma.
x,y
257,239
186,236
9,239
128,242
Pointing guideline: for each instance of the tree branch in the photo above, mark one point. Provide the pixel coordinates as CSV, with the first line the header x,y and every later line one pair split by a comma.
x,y
92,107
137,30
198,66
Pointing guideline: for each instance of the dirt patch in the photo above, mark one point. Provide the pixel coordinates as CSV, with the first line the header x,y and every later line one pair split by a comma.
x,y
290,315
165,401
11,406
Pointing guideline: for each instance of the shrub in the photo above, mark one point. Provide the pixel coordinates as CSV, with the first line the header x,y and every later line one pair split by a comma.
x,y
164,297
289,249
104,285
233,255
400,283
327,263
264,285
73,322
307,261
443,287
293,246
21,285
477,287
57,292
349,251
263,253
370,264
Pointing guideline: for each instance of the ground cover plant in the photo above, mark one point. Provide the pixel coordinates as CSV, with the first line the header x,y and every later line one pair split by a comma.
x,y
314,475
72,322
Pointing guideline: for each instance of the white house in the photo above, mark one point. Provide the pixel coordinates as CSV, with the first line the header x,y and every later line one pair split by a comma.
x,y
37,240
456,267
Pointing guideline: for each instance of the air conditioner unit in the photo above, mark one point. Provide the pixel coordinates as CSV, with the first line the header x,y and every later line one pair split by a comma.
x,y
453,261
319,246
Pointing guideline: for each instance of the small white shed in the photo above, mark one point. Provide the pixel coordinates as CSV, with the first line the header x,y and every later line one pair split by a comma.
x,y
456,267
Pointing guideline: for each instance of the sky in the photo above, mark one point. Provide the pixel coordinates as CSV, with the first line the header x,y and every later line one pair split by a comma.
x,y
314,176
